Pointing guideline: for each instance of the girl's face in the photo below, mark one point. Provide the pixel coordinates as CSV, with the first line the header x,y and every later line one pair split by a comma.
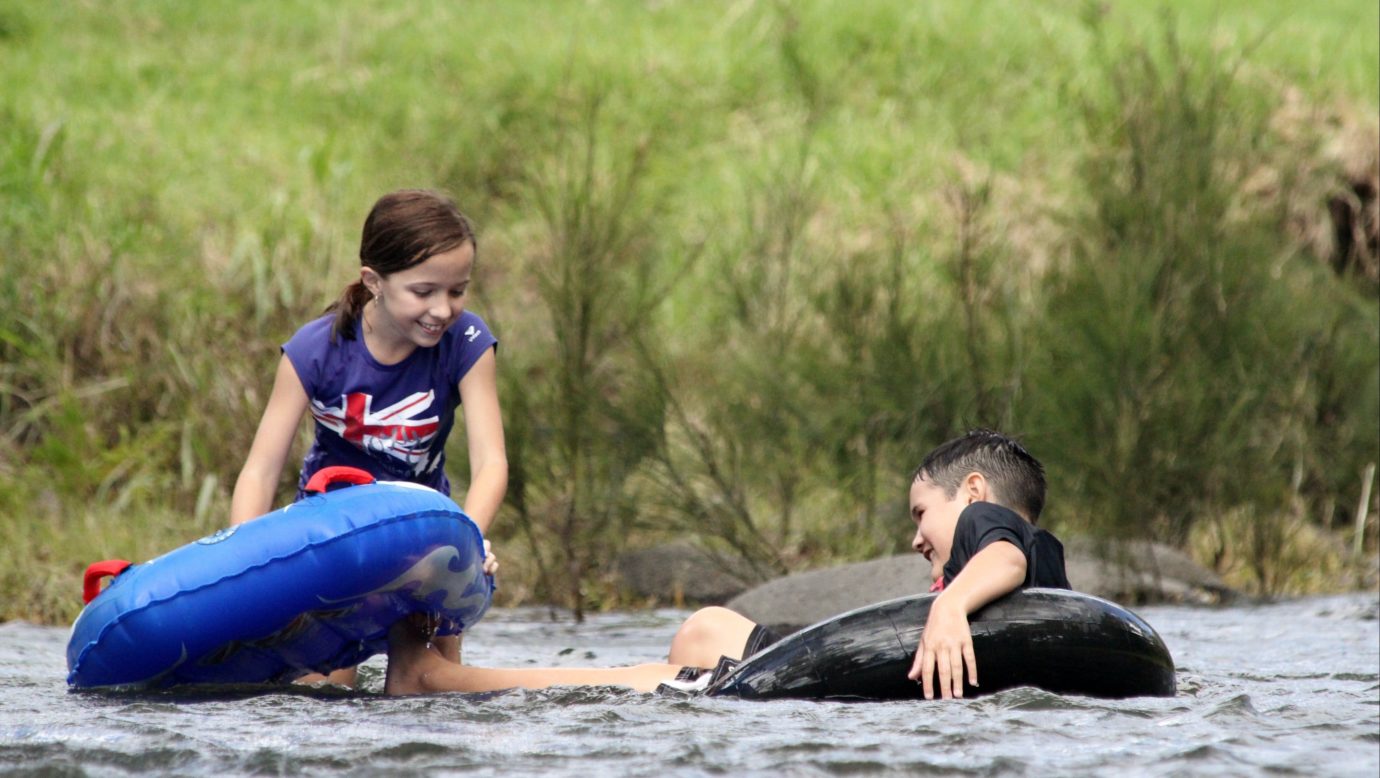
x,y
414,307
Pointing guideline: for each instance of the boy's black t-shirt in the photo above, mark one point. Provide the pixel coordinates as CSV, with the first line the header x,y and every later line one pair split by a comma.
x,y
983,523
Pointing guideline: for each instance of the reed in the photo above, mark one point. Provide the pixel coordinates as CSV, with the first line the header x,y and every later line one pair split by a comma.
x,y
747,260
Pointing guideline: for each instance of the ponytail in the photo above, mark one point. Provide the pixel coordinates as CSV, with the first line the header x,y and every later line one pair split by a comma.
x,y
348,310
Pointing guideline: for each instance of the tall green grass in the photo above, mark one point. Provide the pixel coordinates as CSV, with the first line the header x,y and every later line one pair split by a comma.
x,y
1216,364
748,261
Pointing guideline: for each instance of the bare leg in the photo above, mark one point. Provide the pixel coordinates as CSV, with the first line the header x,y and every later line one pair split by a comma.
x,y
449,646
416,668
708,634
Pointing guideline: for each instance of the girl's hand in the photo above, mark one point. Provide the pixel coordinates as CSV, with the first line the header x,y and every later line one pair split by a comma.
x,y
490,561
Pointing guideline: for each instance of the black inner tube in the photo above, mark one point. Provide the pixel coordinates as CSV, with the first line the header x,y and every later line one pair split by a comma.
x,y
1052,639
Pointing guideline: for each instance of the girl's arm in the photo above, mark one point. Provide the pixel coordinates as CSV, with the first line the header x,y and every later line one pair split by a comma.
x,y
484,435
258,479
488,465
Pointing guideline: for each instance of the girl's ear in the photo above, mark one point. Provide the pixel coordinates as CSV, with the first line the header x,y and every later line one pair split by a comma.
x,y
975,488
371,280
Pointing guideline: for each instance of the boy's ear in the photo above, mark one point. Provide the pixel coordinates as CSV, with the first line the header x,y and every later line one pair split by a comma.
x,y
975,487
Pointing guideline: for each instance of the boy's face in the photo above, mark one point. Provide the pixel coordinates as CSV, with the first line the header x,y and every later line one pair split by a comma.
x,y
936,515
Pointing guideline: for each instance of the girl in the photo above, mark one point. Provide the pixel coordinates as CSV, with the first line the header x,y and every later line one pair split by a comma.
x,y
384,369
382,373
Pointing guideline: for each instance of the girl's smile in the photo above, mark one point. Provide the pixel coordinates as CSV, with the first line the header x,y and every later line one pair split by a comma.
x,y
412,308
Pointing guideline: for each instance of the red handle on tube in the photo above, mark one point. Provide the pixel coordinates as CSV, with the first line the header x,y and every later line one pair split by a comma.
x,y
337,474
91,582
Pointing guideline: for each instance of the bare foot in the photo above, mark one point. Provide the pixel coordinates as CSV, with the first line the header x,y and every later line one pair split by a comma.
x,y
346,676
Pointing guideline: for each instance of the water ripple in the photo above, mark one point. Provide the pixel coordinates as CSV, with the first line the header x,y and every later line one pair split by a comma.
x,y
1249,703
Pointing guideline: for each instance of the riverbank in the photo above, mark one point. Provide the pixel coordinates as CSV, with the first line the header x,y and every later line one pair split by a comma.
x,y
814,241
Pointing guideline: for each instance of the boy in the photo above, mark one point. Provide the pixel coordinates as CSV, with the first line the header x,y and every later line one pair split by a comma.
x,y
974,501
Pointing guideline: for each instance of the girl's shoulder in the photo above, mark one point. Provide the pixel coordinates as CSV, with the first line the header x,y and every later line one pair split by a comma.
x,y
471,328
465,342
315,333
312,349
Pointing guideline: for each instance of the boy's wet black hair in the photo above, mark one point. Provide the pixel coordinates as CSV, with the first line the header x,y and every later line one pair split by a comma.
x,y
1016,477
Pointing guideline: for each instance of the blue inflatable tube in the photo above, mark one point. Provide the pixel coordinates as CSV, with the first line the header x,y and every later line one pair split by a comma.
x,y
313,587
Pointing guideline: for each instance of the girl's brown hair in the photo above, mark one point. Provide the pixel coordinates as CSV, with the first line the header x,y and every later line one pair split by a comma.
x,y
402,230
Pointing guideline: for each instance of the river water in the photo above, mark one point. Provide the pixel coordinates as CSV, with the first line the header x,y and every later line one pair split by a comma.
x,y
1286,689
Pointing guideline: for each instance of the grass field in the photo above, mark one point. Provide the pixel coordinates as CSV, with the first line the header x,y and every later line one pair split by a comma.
x,y
820,237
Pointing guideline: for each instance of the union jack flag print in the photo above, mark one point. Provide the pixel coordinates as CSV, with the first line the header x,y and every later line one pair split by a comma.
x,y
396,430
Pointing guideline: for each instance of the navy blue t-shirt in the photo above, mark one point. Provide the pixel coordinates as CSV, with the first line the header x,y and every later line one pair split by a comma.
x,y
983,523
390,420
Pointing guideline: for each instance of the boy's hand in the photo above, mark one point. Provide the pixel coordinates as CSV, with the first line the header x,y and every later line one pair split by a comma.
x,y
946,645
947,642
490,561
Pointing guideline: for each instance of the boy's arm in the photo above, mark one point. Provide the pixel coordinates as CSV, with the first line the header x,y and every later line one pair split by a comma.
x,y
947,644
